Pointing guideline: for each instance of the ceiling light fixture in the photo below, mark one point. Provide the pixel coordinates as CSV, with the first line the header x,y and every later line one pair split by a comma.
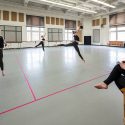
x,y
103,3
68,6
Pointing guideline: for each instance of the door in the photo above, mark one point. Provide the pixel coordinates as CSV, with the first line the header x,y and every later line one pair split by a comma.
x,y
96,36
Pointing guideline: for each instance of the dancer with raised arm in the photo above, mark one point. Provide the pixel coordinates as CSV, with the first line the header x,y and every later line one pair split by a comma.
x,y
74,43
41,42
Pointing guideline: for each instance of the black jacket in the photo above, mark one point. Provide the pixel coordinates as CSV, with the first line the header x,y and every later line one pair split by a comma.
x,y
76,38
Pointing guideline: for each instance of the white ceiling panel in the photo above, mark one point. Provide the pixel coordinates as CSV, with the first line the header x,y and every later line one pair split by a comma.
x,y
91,7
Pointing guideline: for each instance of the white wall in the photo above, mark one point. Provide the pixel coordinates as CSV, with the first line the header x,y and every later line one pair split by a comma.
x,y
36,12
87,27
15,23
104,35
87,22
104,31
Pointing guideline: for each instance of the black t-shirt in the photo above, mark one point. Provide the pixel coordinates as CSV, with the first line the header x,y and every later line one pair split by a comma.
x,y
76,38
43,39
1,42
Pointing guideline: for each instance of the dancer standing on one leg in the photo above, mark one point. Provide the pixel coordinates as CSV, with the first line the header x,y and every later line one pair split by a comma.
x,y
75,44
41,42
1,54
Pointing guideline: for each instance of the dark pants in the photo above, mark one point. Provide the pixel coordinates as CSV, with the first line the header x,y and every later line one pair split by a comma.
x,y
75,44
41,43
117,75
1,59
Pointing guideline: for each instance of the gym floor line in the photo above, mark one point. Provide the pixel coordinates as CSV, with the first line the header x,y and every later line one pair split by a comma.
x,y
49,95
63,86
26,79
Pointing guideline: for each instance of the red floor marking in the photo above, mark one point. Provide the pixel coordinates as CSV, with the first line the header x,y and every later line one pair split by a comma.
x,y
71,87
17,107
49,95
26,79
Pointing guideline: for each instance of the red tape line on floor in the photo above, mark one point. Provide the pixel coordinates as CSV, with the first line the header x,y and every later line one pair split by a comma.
x,y
49,95
26,79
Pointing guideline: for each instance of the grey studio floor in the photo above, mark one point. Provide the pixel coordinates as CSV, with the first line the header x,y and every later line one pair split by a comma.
x,y
55,87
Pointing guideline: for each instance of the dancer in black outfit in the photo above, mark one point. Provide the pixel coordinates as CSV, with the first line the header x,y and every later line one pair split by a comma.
x,y
117,75
75,44
1,54
41,42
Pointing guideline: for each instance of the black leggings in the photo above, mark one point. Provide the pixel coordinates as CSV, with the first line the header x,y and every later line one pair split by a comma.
x,y
41,43
75,44
117,75
1,59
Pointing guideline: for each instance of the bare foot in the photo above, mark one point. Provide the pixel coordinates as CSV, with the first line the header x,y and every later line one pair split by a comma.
x,y
101,86
3,73
83,60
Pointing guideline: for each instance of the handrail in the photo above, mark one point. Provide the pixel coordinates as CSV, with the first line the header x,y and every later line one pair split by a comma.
x,y
34,41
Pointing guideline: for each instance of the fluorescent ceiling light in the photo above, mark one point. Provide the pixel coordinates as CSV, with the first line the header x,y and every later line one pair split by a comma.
x,y
103,3
68,6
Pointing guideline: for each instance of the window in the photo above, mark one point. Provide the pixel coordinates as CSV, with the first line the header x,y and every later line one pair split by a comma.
x,y
66,36
35,28
42,29
121,36
11,33
21,17
34,21
113,29
28,36
117,33
121,28
34,33
70,24
35,36
28,28
112,36
69,35
55,35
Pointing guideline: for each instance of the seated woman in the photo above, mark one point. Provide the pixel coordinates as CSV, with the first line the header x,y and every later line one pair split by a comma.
x,y
117,75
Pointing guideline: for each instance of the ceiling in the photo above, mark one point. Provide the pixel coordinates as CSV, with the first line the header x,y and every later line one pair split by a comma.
x,y
80,7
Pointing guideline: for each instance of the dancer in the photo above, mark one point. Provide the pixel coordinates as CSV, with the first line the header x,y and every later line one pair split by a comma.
x,y
1,54
41,42
75,44
117,75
